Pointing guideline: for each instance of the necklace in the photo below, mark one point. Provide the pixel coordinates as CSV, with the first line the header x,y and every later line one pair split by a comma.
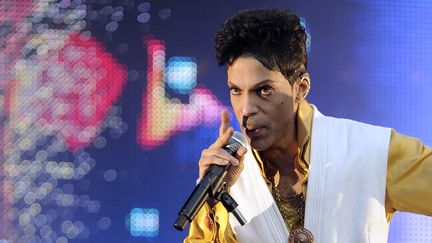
x,y
294,219
292,209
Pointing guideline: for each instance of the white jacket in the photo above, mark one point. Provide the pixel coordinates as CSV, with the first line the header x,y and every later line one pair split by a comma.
x,y
346,187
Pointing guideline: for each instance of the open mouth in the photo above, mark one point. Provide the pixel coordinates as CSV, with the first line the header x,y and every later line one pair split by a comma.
x,y
253,132
251,128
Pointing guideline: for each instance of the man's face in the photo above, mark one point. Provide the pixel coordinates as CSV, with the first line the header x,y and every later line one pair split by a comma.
x,y
264,103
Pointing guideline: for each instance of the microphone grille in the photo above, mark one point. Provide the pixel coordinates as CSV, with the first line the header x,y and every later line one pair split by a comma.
x,y
235,141
240,138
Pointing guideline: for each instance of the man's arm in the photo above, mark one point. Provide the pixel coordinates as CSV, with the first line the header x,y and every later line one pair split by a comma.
x,y
409,176
211,225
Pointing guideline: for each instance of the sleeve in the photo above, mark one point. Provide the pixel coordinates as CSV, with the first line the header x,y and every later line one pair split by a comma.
x,y
211,225
409,176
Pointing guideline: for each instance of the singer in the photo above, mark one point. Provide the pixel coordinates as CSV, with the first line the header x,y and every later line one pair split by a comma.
x,y
306,177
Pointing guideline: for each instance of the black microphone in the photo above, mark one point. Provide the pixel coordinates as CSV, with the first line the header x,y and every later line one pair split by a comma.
x,y
209,186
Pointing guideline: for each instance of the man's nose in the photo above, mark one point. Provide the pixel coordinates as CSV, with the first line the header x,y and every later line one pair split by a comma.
x,y
249,107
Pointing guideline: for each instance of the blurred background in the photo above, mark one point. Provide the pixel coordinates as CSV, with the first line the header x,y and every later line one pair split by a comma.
x,y
106,105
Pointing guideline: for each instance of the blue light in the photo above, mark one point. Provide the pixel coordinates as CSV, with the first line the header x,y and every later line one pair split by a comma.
x,y
143,222
181,74
308,35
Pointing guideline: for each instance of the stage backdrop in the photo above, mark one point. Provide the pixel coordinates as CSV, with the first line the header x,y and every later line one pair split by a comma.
x,y
105,105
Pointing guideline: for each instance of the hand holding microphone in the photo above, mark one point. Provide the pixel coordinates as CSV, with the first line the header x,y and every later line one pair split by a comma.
x,y
220,164
216,154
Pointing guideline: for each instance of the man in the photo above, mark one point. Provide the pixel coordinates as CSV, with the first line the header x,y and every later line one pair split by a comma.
x,y
306,177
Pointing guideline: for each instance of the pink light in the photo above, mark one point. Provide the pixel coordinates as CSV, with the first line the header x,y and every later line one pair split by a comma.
x,y
70,110
162,117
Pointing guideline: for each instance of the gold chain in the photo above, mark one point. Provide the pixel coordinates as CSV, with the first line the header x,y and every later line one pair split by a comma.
x,y
292,208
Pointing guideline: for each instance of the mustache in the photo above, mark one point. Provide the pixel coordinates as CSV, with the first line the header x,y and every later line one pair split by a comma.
x,y
244,121
248,121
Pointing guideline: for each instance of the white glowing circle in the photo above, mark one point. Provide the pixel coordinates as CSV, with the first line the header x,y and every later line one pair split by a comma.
x,y
84,137
11,169
104,223
30,198
143,18
45,231
61,240
114,121
100,142
46,187
35,209
107,10
66,225
29,230
88,110
65,199
117,16
25,144
41,193
143,7
40,220
84,168
80,13
35,167
110,175
72,232
80,225
24,219
41,155
93,206
112,26
42,50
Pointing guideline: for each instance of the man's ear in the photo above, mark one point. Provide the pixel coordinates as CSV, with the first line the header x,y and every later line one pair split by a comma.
x,y
303,85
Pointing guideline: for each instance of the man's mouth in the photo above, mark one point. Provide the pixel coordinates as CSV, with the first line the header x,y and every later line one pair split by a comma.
x,y
253,131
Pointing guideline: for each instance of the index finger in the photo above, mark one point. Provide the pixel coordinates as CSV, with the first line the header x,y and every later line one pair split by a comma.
x,y
225,122
223,139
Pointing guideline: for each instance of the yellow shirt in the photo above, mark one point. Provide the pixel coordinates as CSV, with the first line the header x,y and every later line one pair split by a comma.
x,y
408,183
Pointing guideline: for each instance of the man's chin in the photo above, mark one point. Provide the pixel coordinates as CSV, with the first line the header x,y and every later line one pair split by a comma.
x,y
258,145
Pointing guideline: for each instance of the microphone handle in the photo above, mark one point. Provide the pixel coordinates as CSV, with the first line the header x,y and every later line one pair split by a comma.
x,y
209,185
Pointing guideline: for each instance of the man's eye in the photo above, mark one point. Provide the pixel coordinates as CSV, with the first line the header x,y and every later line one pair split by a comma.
x,y
235,91
266,91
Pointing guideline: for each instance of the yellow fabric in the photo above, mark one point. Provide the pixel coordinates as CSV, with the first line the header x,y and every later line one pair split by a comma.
x,y
409,176
221,232
409,180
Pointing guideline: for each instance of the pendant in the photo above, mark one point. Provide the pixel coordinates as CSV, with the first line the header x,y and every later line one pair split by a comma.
x,y
301,235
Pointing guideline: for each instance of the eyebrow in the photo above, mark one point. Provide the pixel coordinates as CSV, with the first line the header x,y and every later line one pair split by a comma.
x,y
259,84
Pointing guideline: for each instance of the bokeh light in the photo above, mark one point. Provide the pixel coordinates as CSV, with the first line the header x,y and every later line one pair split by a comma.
x,y
58,86
181,74
74,79
154,126
143,222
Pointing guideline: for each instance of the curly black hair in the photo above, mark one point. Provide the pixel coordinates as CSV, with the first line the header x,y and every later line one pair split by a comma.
x,y
273,36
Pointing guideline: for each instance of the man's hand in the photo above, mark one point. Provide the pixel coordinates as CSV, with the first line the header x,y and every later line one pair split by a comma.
x,y
216,155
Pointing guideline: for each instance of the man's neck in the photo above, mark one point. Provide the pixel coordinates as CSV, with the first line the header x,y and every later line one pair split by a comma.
x,y
281,158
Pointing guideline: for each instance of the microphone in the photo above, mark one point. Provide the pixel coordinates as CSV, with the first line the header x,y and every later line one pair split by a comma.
x,y
211,185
